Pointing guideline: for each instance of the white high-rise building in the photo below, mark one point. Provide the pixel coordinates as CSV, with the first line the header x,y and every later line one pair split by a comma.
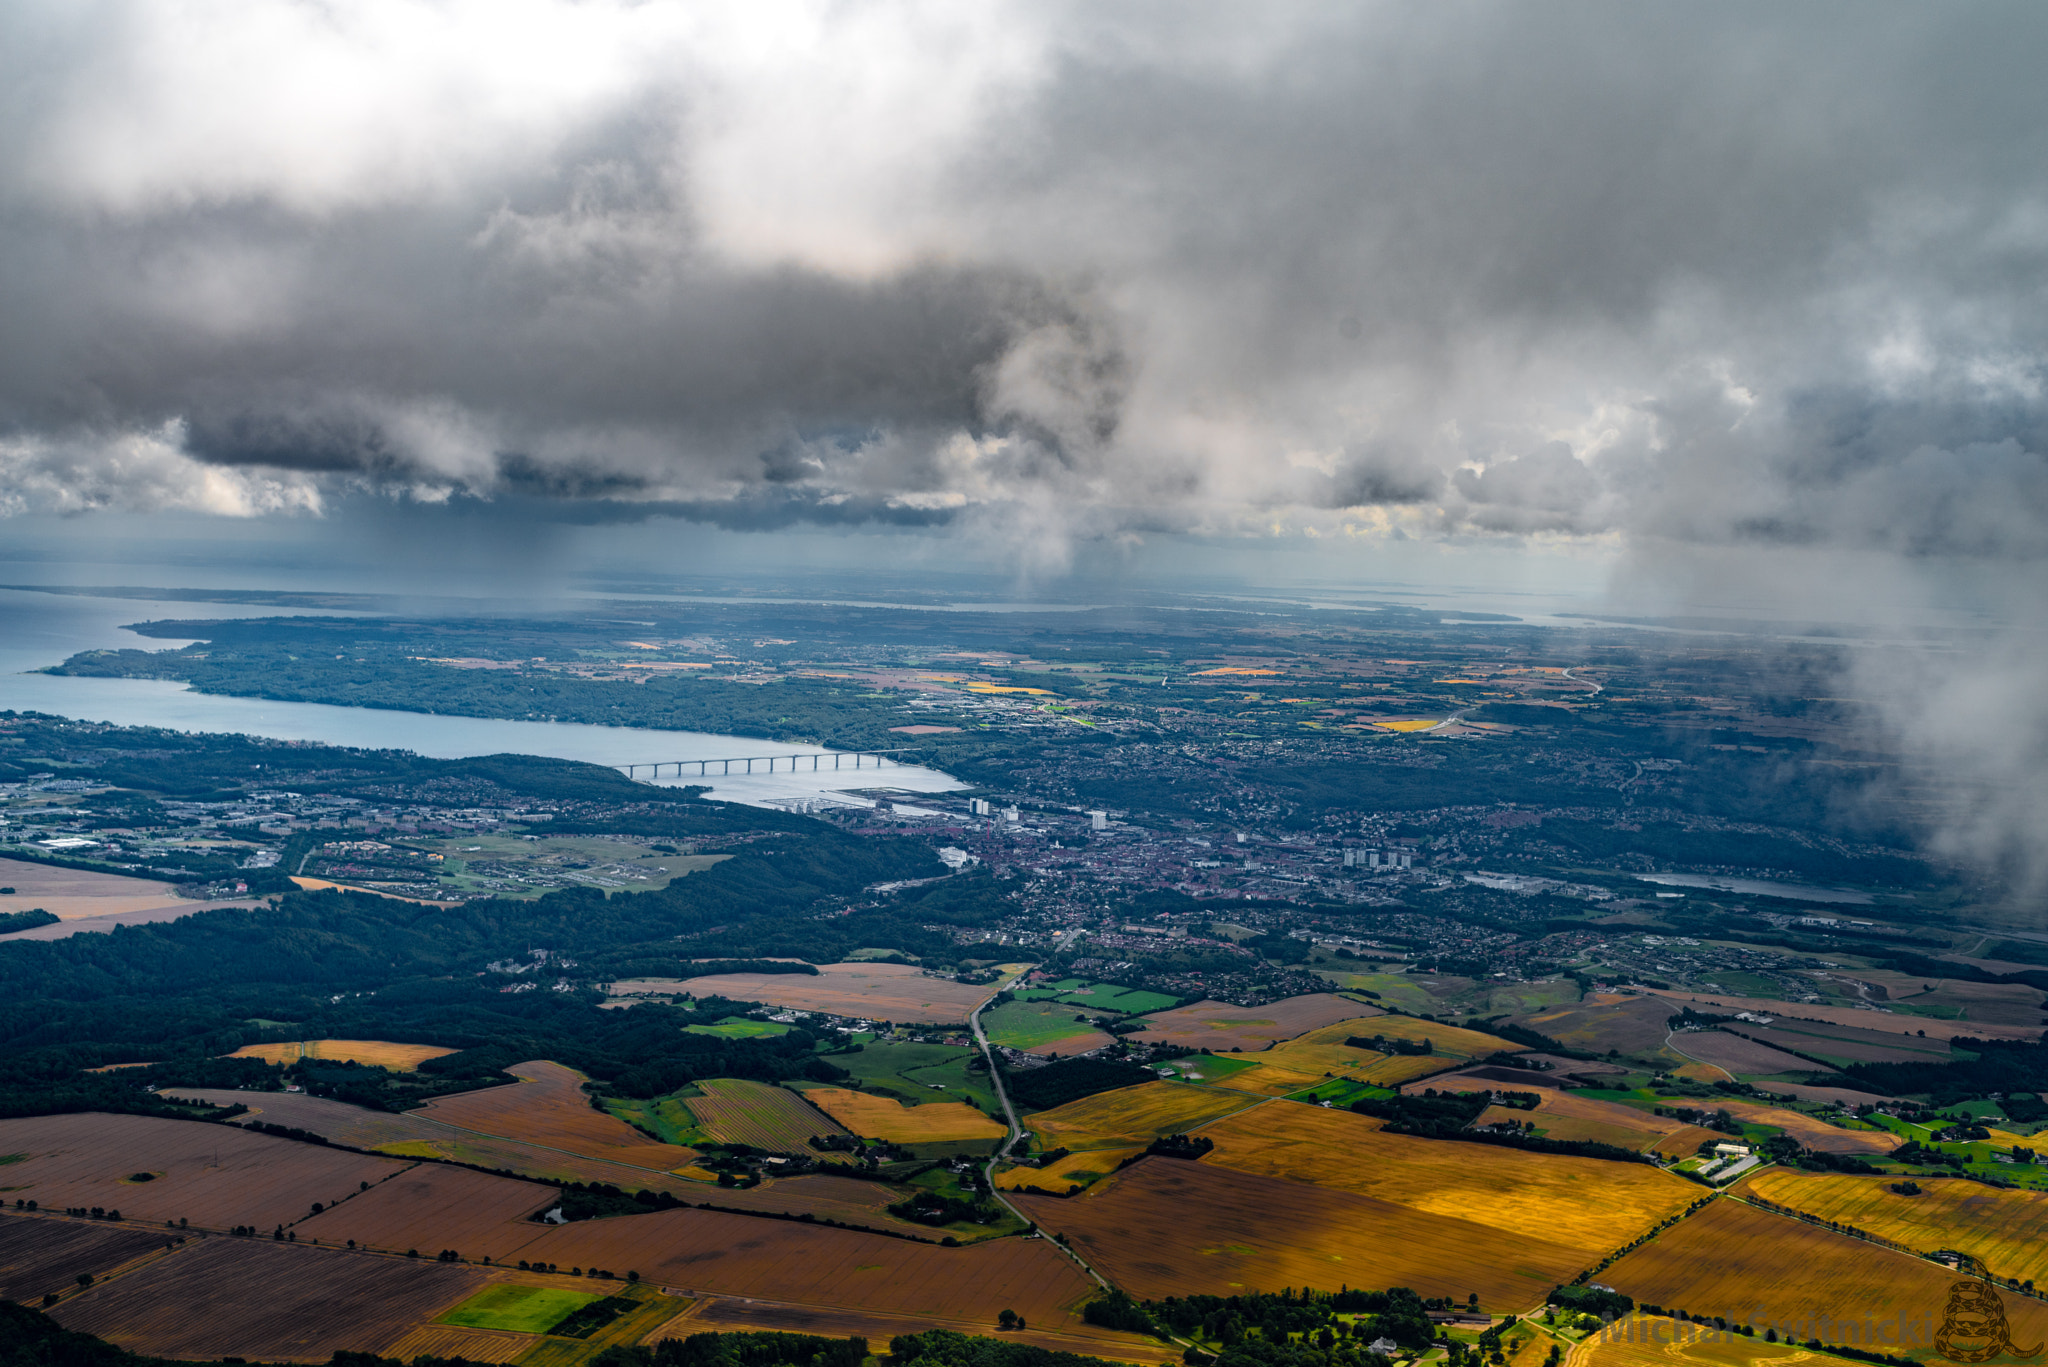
x,y
977,806
1098,821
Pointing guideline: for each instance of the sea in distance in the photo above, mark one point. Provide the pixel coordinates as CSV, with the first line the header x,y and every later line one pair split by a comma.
x,y
38,630
1759,887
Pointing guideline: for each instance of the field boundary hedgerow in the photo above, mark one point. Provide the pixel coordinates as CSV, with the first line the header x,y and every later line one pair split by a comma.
x,y
1645,1237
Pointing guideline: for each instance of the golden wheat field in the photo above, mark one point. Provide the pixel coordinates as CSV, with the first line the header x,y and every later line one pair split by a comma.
x,y
374,1053
1134,1115
1737,1261
1165,1226
1076,1169
884,1117
1567,1115
2007,1229
1586,1203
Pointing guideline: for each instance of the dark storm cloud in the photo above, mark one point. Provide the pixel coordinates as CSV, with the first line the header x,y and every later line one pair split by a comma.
x,y
1739,273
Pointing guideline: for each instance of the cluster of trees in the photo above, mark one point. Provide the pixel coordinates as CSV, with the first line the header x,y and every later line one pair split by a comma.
x,y
1380,1044
2000,1067
1281,1329
1055,1084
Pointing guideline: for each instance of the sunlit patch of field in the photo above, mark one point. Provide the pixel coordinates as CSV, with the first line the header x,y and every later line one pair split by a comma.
x,y
883,1117
374,1053
2008,1229
1075,1170
1134,1115
1165,1226
1585,1202
1414,724
1654,1341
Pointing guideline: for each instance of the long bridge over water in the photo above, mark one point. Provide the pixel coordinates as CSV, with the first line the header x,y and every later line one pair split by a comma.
x,y
795,762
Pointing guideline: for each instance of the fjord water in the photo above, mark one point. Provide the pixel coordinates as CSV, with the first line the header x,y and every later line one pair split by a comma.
x,y
38,630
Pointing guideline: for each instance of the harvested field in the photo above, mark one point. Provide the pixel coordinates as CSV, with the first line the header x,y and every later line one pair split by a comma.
x,y
1303,1062
266,1301
882,1117
1075,1170
1787,1013
84,900
375,1053
1735,1260
891,992
1800,1091
1166,1227
1273,1079
1583,1203
548,1106
1134,1115
1814,1134
1846,1042
849,1200
1214,1025
1563,1115
2004,1228
709,1252
1634,1025
432,1206
472,1345
1736,1056
215,1176
715,1314
734,1111
415,1136
1686,1142
40,1253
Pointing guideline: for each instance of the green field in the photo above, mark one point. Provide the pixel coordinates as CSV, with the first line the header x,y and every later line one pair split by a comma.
x,y
523,1309
1023,1025
914,1072
667,1116
739,1027
1204,1067
1341,1091
1100,997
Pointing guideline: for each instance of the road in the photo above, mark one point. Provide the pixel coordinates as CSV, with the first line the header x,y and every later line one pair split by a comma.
x,y
995,1077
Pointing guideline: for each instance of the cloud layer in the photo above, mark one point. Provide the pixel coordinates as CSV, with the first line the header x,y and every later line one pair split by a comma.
x,y
1737,274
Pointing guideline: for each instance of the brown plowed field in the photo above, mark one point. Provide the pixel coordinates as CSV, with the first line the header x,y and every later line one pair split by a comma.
x,y
1733,1260
1566,1115
1848,1042
213,1175
712,1252
735,1111
891,992
433,1206
375,1053
1737,1056
1134,1115
1219,1027
1166,1227
270,1302
2007,1229
1634,1025
40,1253
1814,1134
849,1200
549,1107
1583,1203
1789,1012
415,1136
884,1117
716,1314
